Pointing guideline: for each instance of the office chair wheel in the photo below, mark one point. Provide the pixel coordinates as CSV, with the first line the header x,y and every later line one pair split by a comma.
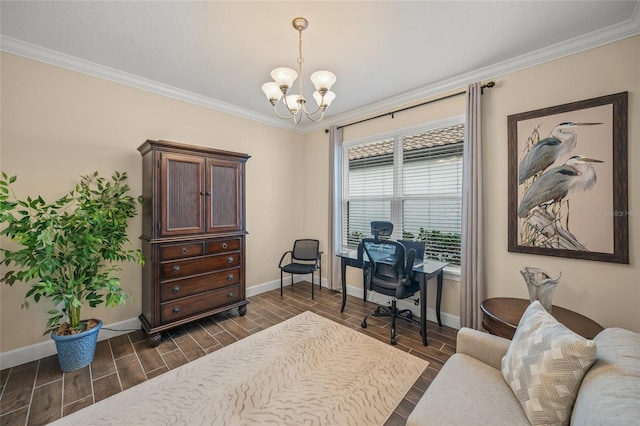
x,y
364,324
410,315
394,340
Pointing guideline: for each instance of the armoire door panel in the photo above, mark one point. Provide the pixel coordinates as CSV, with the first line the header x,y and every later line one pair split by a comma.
x,y
224,186
183,194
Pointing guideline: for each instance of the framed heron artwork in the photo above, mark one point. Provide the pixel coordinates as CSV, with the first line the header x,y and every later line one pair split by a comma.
x,y
567,180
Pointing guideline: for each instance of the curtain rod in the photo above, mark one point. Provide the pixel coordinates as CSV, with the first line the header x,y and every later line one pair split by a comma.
x,y
489,84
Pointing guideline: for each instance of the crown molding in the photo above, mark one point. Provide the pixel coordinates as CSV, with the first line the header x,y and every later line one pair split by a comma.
x,y
601,37
613,33
52,57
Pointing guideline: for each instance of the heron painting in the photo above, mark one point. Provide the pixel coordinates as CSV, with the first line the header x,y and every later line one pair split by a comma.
x,y
555,184
567,168
562,140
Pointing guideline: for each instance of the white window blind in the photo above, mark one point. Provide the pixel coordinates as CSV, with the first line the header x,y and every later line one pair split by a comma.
x,y
412,180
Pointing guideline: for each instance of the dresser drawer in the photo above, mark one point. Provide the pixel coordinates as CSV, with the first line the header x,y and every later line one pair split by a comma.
x,y
179,251
186,306
187,286
219,246
200,265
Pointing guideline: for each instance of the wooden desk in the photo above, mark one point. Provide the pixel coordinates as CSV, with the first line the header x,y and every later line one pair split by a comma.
x,y
501,315
425,270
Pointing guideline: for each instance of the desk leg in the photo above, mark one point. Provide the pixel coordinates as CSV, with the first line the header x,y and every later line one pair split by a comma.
x,y
439,297
364,284
343,271
423,308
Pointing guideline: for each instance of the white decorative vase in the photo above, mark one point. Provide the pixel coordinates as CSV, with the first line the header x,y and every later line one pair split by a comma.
x,y
540,285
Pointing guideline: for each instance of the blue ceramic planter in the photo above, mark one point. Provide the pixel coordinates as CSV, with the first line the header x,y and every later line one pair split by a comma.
x,y
77,350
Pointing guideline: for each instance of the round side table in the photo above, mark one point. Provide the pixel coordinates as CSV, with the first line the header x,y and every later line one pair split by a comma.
x,y
501,315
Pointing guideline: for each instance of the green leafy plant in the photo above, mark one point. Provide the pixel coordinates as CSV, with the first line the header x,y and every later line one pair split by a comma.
x,y
354,238
68,251
442,246
406,235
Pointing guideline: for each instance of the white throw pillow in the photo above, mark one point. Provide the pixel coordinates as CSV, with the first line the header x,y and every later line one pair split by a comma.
x,y
544,366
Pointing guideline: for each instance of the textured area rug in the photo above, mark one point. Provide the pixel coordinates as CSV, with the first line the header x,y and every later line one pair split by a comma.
x,y
307,370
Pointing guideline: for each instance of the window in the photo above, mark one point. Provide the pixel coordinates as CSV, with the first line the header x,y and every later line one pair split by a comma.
x,y
413,180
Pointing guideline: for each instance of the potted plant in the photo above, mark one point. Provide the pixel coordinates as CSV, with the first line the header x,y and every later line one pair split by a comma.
x,y
68,251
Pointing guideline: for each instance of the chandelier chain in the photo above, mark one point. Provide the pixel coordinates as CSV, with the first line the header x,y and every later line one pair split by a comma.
x,y
300,61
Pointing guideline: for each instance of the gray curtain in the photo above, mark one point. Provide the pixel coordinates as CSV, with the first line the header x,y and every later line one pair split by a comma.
x,y
472,274
335,206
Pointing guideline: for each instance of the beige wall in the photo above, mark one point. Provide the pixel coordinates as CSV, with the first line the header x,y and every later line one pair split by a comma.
x,y
59,124
607,292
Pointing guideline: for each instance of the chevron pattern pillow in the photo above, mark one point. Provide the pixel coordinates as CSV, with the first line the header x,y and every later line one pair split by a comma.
x,y
544,366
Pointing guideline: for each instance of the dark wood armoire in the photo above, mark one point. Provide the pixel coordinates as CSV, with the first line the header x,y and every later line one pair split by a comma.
x,y
193,234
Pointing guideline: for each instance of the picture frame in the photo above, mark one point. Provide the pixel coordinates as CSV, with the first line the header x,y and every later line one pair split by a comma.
x,y
568,180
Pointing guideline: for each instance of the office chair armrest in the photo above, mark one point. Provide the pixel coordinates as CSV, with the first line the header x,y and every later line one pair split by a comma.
x,y
408,269
406,282
319,259
283,256
408,274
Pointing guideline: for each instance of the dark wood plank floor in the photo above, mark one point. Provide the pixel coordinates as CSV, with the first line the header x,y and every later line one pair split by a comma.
x,y
37,393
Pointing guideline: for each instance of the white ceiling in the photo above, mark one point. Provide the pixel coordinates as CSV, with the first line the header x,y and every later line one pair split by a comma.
x,y
218,53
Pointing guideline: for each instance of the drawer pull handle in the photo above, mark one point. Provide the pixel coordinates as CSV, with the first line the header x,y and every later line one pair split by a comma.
x,y
184,250
176,309
224,245
230,259
175,289
230,277
176,268
230,295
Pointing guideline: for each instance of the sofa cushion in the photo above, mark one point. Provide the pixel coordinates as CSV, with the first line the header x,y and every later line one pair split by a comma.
x,y
544,366
610,391
467,392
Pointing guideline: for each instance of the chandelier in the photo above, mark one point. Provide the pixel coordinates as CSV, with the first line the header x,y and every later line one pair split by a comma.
x,y
295,105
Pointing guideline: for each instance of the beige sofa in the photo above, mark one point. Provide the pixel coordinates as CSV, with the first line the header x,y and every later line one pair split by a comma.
x,y
470,388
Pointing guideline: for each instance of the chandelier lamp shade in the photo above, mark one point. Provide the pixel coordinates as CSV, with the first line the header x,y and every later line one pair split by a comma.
x,y
284,78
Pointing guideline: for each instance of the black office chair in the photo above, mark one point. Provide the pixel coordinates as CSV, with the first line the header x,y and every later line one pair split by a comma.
x,y
389,272
305,258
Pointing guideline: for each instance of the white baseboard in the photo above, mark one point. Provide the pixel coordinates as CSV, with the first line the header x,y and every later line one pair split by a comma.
x,y
48,348
272,285
447,319
44,349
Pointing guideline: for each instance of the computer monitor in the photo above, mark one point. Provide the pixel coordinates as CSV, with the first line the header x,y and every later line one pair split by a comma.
x,y
418,246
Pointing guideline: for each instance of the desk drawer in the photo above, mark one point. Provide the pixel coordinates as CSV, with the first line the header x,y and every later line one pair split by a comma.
x,y
186,287
181,308
200,265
